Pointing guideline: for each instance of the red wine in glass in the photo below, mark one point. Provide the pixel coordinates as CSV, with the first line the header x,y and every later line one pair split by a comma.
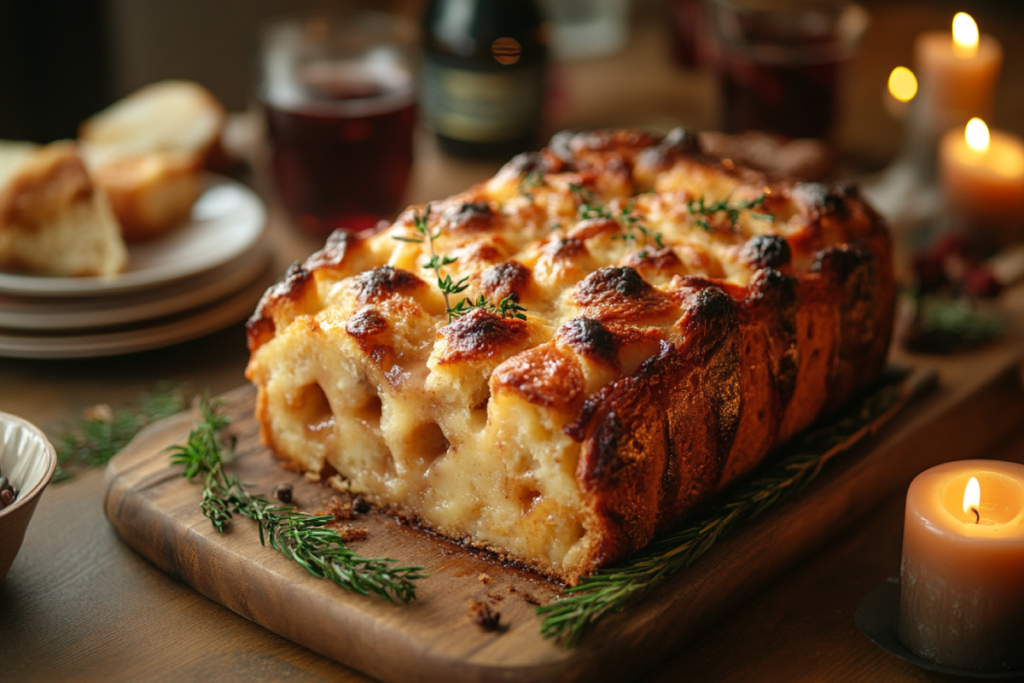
x,y
341,144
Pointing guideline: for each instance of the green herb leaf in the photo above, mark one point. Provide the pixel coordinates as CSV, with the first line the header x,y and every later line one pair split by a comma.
x,y
96,438
299,536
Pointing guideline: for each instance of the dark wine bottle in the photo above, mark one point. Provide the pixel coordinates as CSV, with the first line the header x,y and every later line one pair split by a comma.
x,y
483,75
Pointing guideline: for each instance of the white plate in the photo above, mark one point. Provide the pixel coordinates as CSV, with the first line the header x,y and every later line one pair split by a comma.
x,y
23,313
227,219
164,333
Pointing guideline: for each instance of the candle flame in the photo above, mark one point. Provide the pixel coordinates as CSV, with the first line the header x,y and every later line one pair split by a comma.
x,y
902,84
972,498
976,135
965,36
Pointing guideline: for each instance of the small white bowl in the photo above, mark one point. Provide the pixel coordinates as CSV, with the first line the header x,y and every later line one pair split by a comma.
x,y
28,461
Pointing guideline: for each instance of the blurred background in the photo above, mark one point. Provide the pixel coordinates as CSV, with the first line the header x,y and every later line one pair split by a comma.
x,y
63,60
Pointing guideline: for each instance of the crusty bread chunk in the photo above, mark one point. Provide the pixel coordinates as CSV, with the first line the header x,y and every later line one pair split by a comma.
x,y
683,316
148,150
53,219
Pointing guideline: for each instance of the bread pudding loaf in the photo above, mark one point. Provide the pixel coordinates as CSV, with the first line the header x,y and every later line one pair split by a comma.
x,y
683,316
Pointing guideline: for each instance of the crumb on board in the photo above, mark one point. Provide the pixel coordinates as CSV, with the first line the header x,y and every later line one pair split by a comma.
x,y
481,614
341,509
529,599
484,578
497,597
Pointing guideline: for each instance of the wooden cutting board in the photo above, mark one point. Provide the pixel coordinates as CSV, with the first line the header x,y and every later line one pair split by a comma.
x,y
157,512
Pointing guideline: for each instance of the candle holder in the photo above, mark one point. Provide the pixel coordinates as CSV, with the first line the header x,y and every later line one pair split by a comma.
x,y
876,618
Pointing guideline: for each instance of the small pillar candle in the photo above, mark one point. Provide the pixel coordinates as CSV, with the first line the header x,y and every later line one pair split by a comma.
x,y
958,71
962,576
983,179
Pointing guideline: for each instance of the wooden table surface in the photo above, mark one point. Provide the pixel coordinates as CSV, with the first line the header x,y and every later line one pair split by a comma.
x,y
80,605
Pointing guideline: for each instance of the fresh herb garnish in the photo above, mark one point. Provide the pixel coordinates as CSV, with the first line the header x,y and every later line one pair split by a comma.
x,y
507,308
610,590
93,440
530,181
300,536
632,224
703,210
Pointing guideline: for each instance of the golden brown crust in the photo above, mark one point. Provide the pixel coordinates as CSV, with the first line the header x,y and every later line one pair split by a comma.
x,y
51,182
658,365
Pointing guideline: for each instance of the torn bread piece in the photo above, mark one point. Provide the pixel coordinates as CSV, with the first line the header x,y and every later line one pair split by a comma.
x,y
148,151
53,219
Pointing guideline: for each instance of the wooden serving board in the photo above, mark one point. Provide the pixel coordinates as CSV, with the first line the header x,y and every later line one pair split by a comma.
x,y
157,512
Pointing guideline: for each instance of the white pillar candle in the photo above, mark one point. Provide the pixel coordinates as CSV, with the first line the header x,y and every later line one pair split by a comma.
x,y
958,71
962,577
982,176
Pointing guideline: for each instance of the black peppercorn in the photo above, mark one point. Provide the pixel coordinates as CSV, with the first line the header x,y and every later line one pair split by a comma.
x,y
283,492
360,505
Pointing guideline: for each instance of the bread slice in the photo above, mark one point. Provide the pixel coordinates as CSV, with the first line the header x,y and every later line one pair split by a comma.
x,y
683,316
148,150
53,219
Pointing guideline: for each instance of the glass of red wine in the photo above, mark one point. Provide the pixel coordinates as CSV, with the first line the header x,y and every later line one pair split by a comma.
x,y
339,102
780,64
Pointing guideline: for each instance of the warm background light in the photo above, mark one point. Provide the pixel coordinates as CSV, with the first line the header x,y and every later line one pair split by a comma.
x,y
965,36
972,495
976,134
902,84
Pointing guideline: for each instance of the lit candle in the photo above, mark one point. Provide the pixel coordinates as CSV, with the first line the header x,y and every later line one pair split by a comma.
x,y
962,577
983,179
902,87
958,73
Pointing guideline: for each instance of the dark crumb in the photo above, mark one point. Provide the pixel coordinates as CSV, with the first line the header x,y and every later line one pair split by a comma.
x,y
510,588
360,506
484,578
340,509
283,492
481,614
497,597
529,599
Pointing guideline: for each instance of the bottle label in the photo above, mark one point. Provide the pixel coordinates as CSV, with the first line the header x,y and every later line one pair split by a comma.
x,y
482,106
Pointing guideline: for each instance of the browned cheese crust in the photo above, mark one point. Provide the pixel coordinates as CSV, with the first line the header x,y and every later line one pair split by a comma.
x,y
659,364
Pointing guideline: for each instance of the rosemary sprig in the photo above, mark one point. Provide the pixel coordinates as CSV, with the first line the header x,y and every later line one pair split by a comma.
x,y
93,440
703,211
300,536
507,308
611,590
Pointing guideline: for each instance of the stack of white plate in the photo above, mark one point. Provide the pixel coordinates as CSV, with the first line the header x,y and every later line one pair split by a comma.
x,y
200,278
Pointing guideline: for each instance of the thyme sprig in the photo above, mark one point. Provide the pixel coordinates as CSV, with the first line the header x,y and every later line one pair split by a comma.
x,y
634,224
610,590
93,440
703,210
507,308
631,223
300,536
530,181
